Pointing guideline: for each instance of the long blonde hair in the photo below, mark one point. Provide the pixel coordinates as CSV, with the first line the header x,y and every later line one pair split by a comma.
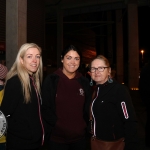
x,y
18,69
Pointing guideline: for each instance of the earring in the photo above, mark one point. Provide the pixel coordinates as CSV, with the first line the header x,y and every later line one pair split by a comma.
x,y
110,80
91,82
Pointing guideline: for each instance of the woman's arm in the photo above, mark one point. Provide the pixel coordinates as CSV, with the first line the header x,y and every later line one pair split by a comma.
x,y
128,116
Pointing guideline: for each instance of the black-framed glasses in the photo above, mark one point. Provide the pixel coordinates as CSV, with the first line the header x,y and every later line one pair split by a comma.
x,y
100,69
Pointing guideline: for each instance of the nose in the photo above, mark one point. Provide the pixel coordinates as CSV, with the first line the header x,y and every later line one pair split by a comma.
x,y
72,61
34,59
96,70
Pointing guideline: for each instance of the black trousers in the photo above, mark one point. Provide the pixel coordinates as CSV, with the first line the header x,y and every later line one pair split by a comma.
x,y
80,145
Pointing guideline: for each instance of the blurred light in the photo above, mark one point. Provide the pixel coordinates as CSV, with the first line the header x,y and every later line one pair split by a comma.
x,y
142,51
134,89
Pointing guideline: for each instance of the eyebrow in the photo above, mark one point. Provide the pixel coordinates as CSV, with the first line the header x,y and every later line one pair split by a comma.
x,y
32,54
72,56
101,66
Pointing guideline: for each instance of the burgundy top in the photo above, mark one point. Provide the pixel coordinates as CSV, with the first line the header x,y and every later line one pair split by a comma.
x,y
70,125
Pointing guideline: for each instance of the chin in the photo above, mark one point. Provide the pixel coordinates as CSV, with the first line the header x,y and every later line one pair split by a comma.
x,y
33,71
98,82
72,71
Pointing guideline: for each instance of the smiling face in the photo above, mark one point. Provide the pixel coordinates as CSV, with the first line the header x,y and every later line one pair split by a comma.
x,y
97,76
31,60
71,62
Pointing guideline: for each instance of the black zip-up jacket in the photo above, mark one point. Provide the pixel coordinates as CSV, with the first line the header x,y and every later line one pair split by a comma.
x,y
49,91
114,114
25,129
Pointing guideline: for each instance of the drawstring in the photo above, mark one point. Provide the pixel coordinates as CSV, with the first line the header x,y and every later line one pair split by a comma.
x,y
39,108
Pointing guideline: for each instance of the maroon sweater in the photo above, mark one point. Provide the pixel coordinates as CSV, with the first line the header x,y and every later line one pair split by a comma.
x,y
70,125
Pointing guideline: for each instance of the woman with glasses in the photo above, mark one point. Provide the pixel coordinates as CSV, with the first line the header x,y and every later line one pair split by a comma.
x,y
111,110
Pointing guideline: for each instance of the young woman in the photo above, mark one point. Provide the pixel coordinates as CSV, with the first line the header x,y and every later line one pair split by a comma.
x,y
21,103
112,111
66,100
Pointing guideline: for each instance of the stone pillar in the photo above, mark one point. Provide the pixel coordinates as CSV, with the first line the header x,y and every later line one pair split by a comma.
x,y
36,23
109,38
133,45
16,12
59,35
119,46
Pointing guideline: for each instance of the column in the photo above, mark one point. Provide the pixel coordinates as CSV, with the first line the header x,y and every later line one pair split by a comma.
x,y
109,38
119,46
59,35
133,45
16,12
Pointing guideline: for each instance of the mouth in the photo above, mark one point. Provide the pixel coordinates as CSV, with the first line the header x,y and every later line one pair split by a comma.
x,y
34,66
97,76
72,66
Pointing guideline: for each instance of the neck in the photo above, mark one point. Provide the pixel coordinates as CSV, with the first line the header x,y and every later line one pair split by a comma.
x,y
69,75
102,82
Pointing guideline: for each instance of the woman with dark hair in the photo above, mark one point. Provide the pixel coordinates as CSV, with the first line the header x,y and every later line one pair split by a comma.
x,y
66,100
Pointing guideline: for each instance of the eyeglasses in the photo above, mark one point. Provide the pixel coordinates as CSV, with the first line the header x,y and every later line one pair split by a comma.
x,y
100,69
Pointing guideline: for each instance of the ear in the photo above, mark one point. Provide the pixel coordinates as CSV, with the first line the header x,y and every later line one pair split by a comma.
x,y
109,71
62,61
21,60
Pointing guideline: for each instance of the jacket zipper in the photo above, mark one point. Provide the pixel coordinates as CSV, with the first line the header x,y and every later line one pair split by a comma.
x,y
94,132
39,110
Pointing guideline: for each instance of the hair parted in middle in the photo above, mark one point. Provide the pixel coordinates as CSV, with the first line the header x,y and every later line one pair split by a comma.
x,y
69,48
18,69
101,57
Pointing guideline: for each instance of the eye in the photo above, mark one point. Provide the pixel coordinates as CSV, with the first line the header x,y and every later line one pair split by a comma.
x,y
69,57
92,68
38,56
29,56
77,58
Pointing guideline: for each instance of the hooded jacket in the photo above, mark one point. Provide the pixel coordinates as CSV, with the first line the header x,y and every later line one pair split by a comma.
x,y
51,91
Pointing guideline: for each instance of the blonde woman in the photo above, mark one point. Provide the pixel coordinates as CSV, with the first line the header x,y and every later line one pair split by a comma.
x,y
22,101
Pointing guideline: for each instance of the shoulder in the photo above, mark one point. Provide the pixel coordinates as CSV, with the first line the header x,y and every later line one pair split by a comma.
x,y
50,80
83,79
13,86
13,82
52,76
118,86
122,91
84,82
